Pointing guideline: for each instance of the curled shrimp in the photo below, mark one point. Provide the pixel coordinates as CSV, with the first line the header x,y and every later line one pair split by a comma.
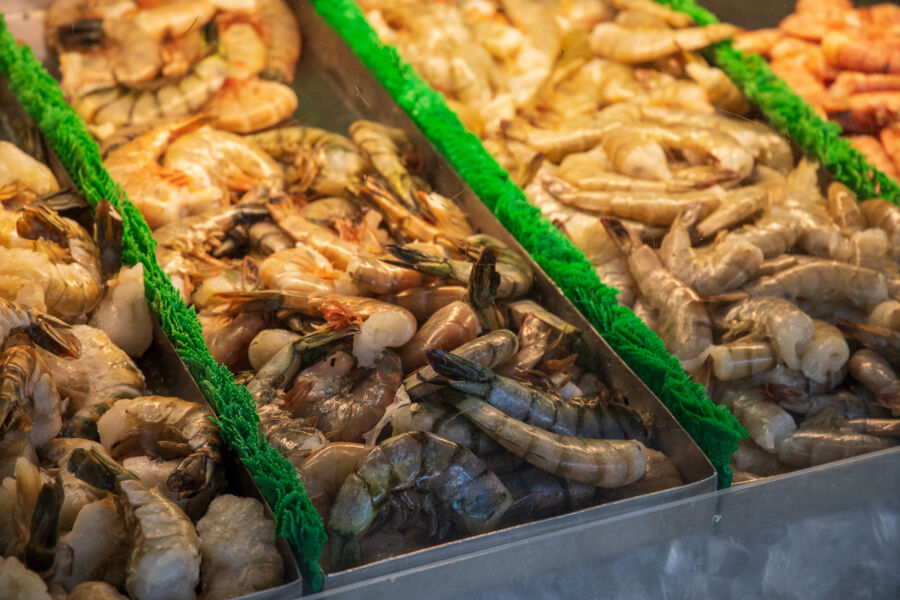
x,y
19,168
457,482
768,423
423,302
722,92
858,53
789,328
843,208
875,153
885,216
599,462
248,105
515,279
712,270
873,371
28,394
143,425
543,409
165,556
684,324
282,37
886,314
385,148
637,46
447,329
413,226
489,350
44,330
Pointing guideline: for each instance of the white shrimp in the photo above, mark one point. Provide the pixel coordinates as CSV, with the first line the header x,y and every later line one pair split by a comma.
x,y
768,423
124,314
19,168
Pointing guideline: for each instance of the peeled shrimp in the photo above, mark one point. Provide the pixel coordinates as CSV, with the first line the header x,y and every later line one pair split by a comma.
x,y
123,313
19,168
19,582
237,545
94,590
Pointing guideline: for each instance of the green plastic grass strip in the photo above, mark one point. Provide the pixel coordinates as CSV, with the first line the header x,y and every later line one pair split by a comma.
x,y
792,116
714,429
297,520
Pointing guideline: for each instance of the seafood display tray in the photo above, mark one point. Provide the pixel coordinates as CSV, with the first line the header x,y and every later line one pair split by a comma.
x,y
335,89
167,375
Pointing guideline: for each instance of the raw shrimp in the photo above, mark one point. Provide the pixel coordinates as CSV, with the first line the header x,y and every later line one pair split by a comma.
x,y
683,321
44,330
463,493
712,270
489,350
514,279
29,399
44,532
843,208
123,313
165,427
640,45
403,221
96,548
444,420
94,590
750,457
885,216
19,168
221,160
17,581
77,493
603,463
824,280
113,375
649,207
295,439
844,403
423,302
826,352
268,238
661,474
886,314
742,358
282,36
538,494
165,558
266,343
300,269
182,246
447,329
162,195
385,148
237,544
818,441
543,409
769,424
325,470
873,371
347,416
722,92
248,105
334,159
788,327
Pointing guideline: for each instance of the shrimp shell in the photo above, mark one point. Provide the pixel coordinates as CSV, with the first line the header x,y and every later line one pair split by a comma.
x,y
824,280
642,45
447,329
768,423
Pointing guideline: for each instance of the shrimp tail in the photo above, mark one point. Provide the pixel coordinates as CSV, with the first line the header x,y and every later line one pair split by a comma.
x,y
83,424
457,368
484,279
623,237
41,547
233,303
435,266
40,222
94,468
52,335
193,474
108,234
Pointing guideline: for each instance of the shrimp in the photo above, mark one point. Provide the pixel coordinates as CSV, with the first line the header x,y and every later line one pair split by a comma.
x,y
741,358
885,216
266,343
77,493
124,314
184,244
325,470
337,164
28,394
20,582
423,302
649,207
463,493
712,270
750,457
826,280
96,547
293,438
44,330
768,423
886,314
447,329
514,279
827,352
843,208
546,410
408,224
301,269
817,441
539,495
268,238
44,533
282,36
162,195
237,545
221,160
873,371
347,416
144,425
248,105
844,403
599,462
94,590
722,92
684,324
385,148
165,557
859,53
19,168
636,46
874,152
787,327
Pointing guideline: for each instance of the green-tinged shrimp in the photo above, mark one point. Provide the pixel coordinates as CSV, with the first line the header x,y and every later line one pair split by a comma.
x,y
459,494
164,563
543,409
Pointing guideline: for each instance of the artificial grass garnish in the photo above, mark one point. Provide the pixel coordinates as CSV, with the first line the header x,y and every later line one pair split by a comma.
x,y
296,518
713,427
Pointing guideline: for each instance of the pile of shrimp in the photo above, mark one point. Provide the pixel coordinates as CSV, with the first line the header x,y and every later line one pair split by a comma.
x,y
128,65
105,489
335,282
775,297
845,62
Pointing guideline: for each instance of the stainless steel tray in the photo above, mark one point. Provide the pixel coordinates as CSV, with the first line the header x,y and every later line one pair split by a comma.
x,y
335,89
167,375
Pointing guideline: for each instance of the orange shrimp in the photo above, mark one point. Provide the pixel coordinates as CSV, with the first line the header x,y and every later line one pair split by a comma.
x,y
874,152
795,72
858,53
848,83
867,113
890,139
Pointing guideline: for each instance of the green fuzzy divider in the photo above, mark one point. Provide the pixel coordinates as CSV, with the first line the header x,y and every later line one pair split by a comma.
x,y
297,520
792,116
714,429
